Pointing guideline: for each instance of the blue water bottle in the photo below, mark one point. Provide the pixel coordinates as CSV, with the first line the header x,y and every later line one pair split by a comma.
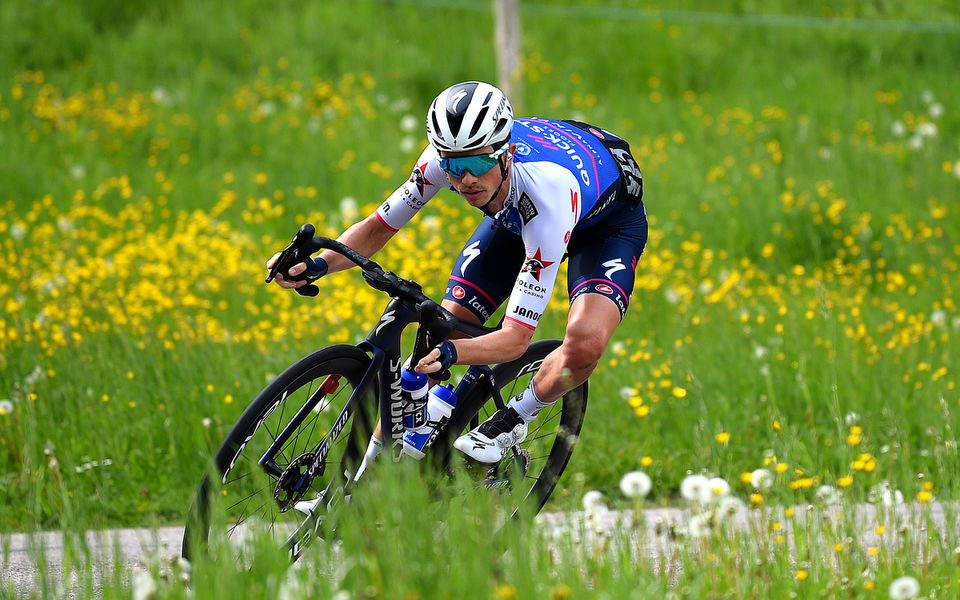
x,y
414,387
440,404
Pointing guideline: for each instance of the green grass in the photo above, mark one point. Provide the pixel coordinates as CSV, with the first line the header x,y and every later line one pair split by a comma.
x,y
795,306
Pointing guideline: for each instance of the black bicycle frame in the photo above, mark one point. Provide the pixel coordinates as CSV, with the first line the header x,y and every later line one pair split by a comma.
x,y
384,345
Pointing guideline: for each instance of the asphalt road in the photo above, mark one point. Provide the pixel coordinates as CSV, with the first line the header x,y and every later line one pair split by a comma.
x,y
26,558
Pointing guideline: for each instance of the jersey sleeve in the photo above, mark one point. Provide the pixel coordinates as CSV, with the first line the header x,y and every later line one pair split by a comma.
x,y
549,212
425,181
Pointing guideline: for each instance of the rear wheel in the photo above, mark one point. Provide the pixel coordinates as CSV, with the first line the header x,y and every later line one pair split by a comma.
x,y
262,478
529,474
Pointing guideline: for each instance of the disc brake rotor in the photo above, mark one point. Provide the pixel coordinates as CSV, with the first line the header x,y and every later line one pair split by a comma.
x,y
285,493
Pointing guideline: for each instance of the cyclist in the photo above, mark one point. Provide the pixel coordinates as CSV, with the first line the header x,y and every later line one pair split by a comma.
x,y
548,189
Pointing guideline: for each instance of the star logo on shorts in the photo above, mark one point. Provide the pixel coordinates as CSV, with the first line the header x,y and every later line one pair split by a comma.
x,y
535,264
419,178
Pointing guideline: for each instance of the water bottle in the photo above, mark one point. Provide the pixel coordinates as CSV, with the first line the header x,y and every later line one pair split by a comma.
x,y
440,404
414,387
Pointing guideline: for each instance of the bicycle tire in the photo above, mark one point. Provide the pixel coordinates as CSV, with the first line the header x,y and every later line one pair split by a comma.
x,y
237,458
551,437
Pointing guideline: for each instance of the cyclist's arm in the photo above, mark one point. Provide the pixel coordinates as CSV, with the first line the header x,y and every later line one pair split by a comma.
x,y
370,235
366,237
507,343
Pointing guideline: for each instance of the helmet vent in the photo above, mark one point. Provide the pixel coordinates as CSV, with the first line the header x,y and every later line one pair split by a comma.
x,y
478,122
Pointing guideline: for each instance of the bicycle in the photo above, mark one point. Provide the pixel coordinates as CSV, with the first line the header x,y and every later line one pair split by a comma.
x,y
304,435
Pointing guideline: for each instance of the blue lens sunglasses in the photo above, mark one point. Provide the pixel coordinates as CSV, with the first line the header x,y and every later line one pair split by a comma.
x,y
477,164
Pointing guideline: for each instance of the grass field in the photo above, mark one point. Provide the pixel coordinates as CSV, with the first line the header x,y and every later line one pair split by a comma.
x,y
795,310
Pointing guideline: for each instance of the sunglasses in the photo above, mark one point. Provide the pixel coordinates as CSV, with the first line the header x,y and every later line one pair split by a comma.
x,y
477,164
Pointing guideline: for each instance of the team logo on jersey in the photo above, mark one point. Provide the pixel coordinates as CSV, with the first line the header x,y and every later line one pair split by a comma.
x,y
604,288
458,292
613,266
597,132
527,208
419,178
522,149
535,264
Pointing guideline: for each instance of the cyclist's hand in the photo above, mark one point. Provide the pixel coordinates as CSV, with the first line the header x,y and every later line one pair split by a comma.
x,y
292,272
438,359
300,274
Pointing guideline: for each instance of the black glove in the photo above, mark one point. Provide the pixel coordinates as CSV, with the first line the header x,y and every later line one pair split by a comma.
x,y
316,268
448,354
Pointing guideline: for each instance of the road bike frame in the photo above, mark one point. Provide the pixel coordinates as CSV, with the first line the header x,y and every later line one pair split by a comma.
x,y
383,344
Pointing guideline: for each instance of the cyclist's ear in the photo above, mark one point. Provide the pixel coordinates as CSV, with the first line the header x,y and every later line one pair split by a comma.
x,y
308,290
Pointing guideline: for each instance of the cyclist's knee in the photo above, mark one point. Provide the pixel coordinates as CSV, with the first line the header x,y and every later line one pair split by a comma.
x,y
582,349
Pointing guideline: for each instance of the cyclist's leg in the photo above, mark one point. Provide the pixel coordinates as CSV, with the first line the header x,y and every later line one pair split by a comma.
x,y
601,276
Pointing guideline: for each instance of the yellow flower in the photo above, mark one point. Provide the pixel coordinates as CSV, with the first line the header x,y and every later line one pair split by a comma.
x,y
756,498
845,481
924,496
646,461
782,467
801,575
228,398
873,551
679,392
560,592
722,437
505,591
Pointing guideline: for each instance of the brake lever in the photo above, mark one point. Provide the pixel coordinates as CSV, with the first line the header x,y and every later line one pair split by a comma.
x,y
291,254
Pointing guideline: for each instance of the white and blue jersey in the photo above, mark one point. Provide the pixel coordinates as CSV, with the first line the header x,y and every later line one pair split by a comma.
x,y
573,187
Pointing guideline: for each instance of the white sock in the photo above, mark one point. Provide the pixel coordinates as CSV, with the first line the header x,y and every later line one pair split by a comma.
x,y
528,406
373,450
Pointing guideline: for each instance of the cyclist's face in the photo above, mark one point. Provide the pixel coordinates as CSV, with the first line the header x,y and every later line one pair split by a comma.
x,y
476,189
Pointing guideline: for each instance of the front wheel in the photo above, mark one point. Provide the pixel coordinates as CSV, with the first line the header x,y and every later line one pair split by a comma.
x,y
529,474
291,453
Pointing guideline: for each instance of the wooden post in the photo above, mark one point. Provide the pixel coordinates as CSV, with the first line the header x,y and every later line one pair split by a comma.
x,y
506,16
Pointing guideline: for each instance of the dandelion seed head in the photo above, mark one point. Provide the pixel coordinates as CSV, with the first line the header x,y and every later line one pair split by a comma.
x,y
903,588
635,484
409,123
408,144
144,587
593,502
699,526
694,487
761,479
927,130
827,495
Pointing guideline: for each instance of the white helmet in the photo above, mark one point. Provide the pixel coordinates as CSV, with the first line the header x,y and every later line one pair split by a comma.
x,y
468,116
